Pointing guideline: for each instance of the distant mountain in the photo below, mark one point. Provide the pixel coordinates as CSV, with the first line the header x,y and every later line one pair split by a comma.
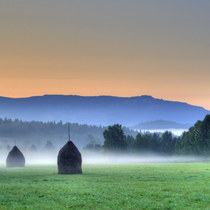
x,y
161,124
99,110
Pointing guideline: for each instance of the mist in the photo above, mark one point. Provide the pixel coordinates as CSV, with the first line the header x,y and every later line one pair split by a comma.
x,y
176,132
90,157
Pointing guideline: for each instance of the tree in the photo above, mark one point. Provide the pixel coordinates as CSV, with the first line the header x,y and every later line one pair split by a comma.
x,y
33,148
196,141
167,143
137,144
93,146
49,146
130,140
205,135
115,139
155,141
146,142
91,138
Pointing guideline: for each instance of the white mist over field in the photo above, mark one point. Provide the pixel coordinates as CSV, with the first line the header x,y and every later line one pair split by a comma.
x,y
130,158
102,158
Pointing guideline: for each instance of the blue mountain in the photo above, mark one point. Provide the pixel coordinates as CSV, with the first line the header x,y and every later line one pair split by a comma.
x,y
99,110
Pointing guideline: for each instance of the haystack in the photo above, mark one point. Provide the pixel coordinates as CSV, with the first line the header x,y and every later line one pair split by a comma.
x,y
15,158
69,159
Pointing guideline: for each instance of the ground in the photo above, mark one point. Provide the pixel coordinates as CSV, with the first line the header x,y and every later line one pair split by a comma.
x,y
123,186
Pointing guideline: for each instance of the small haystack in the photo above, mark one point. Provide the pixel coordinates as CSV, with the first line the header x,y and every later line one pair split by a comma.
x,y
69,159
15,158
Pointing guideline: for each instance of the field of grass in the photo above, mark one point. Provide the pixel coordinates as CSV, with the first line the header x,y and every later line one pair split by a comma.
x,y
129,186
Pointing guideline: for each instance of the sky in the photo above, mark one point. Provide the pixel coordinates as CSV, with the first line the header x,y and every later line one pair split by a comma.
x,y
106,47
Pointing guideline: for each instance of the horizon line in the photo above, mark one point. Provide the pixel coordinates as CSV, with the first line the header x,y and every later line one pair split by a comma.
x,y
114,96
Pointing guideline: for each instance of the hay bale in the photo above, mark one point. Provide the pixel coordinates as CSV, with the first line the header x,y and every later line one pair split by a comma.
x,y
69,159
15,158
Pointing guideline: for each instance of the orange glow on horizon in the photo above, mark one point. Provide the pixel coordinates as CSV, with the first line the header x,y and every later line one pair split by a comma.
x,y
34,87
106,48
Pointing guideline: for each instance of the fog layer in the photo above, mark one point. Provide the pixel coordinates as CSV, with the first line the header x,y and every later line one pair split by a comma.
x,y
106,158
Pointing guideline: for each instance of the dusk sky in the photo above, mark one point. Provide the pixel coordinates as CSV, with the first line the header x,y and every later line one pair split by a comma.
x,y
106,47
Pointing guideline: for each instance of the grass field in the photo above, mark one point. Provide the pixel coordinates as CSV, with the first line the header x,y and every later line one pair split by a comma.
x,y
130,186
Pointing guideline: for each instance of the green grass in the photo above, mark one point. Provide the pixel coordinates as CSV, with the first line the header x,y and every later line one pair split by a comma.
x,y
129,186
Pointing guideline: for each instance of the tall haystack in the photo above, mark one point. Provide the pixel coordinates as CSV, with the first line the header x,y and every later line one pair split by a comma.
x,y
69,159
15,158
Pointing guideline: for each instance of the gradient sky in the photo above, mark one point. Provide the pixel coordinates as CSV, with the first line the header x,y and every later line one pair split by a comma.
x,y
106,47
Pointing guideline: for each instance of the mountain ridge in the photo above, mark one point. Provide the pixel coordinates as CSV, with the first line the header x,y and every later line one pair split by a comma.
x,y
99,110
98,96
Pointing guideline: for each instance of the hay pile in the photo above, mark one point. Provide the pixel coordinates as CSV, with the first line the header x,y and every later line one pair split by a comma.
x,y
69,159
15,158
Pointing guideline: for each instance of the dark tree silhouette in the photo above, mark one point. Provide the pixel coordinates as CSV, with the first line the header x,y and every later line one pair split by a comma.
x,y
114,138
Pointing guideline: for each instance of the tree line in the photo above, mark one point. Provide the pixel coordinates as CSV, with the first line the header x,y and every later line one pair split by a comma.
x,y
196,141
37,133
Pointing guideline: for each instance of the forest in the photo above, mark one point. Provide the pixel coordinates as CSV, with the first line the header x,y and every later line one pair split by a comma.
x,y
196,141
26,134
114,138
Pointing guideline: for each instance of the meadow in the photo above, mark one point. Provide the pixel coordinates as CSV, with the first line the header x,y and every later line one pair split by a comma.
x,y
113,186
